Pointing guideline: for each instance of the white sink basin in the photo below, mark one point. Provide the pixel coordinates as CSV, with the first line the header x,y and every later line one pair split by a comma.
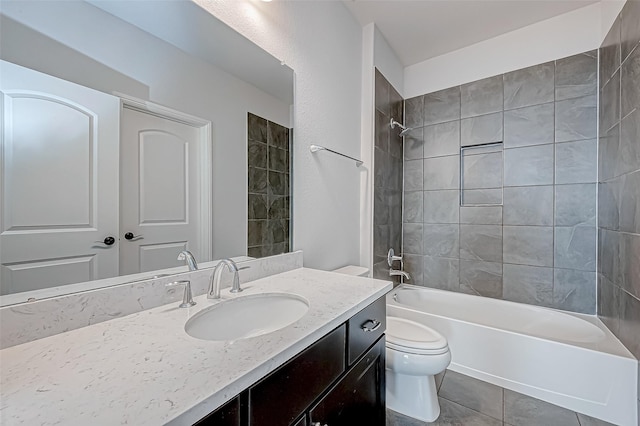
x,y
247,316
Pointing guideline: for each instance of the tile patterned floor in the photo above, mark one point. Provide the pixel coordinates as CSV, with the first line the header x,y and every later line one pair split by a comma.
x,y
465,401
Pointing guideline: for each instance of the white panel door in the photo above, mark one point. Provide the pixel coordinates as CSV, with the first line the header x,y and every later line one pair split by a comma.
x,y
59,170
159,190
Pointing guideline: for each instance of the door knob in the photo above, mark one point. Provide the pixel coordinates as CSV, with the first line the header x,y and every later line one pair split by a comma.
x,y
130,236
109,241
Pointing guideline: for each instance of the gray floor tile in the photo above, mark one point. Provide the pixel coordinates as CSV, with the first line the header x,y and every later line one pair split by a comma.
x,y
397,419
473,393
439,379
522,410
590,421
452,414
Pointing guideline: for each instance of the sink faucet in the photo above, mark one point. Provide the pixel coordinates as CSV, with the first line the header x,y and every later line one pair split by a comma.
x,y
214,284
396,273
188,257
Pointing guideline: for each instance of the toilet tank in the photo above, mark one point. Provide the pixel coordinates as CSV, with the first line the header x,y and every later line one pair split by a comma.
x,y
359,271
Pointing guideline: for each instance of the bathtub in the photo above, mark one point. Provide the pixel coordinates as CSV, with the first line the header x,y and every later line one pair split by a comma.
x,y
567,359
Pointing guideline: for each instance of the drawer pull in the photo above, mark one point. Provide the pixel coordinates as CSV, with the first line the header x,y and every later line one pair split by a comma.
x,y
371,325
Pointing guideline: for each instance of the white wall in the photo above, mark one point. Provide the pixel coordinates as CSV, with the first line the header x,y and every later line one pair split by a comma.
x,y
322,42
121,58
386,60
564,35
367,145
610,11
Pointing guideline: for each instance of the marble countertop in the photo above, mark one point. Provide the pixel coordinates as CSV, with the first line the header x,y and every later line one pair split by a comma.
x,y
144,369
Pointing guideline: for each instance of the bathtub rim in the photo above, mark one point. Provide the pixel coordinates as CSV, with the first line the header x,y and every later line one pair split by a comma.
x,y
610,338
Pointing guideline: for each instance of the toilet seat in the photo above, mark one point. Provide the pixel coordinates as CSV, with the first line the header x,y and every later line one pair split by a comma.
x,y
411,337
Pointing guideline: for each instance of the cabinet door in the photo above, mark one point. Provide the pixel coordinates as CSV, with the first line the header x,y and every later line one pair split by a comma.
x,y
302,422
227,415
357,399
280,398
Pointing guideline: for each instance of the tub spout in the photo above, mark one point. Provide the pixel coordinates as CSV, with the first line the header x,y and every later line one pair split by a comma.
x,y
396,273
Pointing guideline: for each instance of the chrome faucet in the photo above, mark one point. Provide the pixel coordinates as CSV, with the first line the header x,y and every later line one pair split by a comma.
x,y
188,257
214,284
397,273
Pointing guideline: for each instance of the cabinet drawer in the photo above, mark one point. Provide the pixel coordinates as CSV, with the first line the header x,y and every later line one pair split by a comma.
x,y
365,327
285,394
358,398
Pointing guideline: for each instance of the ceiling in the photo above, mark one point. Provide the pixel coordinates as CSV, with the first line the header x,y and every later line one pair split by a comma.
x,y
421,29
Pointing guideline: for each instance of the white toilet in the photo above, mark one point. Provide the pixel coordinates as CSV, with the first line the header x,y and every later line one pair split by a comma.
x,y
415,354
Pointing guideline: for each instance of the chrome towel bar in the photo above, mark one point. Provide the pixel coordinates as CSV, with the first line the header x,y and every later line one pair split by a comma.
x,y
316,148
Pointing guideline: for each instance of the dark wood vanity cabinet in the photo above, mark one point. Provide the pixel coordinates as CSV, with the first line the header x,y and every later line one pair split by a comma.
x,y
227,415
358,398
337,381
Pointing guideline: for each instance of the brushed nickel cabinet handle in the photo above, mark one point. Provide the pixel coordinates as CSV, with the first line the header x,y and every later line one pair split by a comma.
x,y
371,325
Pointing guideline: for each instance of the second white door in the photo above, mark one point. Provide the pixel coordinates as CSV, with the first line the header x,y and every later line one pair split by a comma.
x,y
159,191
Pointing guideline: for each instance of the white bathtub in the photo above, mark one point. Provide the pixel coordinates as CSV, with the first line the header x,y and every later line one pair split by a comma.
x,y
570,360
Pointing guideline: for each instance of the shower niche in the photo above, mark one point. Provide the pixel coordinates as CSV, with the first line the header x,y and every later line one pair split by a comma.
x,y
481,175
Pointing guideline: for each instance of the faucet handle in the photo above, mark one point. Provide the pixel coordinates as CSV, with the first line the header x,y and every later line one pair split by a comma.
x,y
187,297
391,257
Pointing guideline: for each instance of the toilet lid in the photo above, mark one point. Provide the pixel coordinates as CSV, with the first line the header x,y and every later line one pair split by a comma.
x,y
410,334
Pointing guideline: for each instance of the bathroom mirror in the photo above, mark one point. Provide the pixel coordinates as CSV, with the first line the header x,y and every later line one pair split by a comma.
x,y
137,121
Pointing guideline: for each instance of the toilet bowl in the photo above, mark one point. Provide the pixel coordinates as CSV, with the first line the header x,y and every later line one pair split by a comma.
x,y
415,354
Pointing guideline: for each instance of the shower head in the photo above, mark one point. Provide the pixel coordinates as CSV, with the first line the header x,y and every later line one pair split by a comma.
x,y
395,124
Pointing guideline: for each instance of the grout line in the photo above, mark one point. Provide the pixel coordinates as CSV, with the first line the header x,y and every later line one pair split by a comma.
x,y
504,408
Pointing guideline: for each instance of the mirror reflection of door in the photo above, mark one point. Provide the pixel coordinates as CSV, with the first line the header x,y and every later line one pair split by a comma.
x,y
64,191
160,191
59,183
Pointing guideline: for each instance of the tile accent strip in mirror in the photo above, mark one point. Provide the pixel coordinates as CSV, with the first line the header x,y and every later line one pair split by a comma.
x,y
269,202
30,321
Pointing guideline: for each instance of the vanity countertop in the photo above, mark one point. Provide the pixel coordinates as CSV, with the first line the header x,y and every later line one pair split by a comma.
x,y
143,369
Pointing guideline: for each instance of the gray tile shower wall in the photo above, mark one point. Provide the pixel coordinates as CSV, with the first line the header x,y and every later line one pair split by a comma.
x,y
526,229
269,201
619,180
388,171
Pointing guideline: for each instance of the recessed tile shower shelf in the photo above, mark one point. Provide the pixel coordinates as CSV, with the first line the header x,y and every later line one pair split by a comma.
x,y
481,174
